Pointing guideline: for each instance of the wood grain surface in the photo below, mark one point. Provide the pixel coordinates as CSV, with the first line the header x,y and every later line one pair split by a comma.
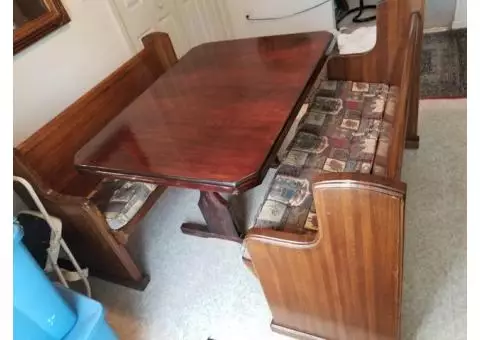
x,y
215,120
346,284
45,159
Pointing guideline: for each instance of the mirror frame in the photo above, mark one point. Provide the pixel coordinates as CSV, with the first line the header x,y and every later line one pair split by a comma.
x,y
32,31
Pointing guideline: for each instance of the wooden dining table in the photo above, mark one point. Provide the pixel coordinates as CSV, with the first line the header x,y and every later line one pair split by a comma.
x,y
213,122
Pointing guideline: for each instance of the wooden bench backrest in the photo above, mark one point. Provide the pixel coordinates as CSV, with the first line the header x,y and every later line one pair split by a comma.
x,y
406,77
49,153
393,27
379,64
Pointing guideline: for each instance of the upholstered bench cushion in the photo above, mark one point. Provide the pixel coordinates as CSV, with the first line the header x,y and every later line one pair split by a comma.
x,y
120,200
347,128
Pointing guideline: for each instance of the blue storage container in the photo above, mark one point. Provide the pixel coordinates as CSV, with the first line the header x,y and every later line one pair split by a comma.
x,y
91,323
39,311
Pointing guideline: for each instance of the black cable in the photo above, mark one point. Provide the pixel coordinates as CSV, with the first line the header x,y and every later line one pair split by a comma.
x,y
288,15
360,10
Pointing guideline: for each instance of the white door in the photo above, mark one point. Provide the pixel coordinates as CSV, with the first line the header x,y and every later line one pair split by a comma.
x,y
188,22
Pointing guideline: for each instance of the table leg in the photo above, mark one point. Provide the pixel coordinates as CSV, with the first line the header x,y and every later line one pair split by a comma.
x,y
222,220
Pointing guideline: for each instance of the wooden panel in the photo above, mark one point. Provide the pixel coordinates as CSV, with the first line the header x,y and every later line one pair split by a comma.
x,y
413,140
406,74
379,64
50,150
84,228
347,283
46,160
215,120
34,30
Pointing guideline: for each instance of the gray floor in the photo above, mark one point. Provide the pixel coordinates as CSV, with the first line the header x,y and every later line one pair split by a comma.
x,y
200,289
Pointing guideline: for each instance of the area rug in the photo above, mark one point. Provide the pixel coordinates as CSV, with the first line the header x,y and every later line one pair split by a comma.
x,y
444,65
444,59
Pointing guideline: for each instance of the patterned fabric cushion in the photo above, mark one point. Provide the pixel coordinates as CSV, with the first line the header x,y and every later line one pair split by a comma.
x,y
120,200
346,128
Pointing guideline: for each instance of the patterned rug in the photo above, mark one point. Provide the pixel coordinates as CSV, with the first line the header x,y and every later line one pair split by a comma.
x,y
444,65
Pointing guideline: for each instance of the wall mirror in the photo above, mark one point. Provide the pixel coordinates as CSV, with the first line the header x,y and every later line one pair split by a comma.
x,y
34,19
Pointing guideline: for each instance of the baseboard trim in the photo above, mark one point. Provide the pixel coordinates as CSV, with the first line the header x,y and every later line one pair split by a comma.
x,y
436,29
459,24
293,333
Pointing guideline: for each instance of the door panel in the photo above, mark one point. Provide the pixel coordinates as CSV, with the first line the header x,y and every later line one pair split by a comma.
x,y
214,15
193,25
168,24
188,22
130,12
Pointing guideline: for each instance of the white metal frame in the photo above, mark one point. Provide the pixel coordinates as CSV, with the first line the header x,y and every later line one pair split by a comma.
x,y
57,237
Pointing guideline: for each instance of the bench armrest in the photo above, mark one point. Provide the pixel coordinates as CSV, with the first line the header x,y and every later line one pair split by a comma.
x,y
355,256
383,62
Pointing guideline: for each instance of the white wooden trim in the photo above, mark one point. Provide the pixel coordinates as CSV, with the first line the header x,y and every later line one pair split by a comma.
x,y
459,24
436,29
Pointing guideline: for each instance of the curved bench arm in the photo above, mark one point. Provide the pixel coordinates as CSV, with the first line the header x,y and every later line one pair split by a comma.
x,y
379,65
349,272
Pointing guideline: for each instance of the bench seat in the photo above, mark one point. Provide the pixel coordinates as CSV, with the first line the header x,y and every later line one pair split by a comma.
x,y
327,243
124,203
98,214
346,128
120,200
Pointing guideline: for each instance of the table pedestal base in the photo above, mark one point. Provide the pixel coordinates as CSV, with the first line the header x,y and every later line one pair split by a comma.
x,y
220,216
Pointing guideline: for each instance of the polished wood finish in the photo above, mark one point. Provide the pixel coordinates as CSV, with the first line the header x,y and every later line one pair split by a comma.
x,y
380,65
345,281
346,284
214,121
222,221
63,138
45,159
84,228
55,17
400,124
413,140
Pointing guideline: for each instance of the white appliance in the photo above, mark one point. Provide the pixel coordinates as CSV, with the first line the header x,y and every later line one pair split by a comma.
x,y
271,17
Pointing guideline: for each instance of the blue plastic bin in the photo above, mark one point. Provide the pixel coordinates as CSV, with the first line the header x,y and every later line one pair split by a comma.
x,y
39,311
91,323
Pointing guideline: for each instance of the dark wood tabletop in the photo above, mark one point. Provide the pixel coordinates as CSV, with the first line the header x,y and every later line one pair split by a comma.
x,y
216,119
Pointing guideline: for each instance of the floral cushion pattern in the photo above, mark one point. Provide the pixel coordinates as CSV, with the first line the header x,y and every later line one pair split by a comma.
x,y
346,128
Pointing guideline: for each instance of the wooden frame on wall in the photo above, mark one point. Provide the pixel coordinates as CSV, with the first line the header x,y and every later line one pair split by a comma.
x,y
55,17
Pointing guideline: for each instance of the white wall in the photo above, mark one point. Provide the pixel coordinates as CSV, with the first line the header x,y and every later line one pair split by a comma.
x,y
320,18
54,72
57,70
460,20
438,13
